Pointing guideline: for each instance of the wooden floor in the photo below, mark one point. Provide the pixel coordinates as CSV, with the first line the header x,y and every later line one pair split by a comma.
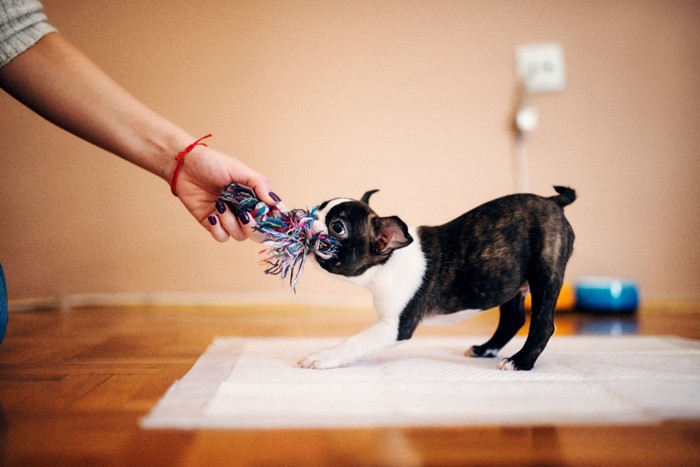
x,y
73,385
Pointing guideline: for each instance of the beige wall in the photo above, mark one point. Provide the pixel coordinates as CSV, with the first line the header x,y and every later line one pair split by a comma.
x,y
332,98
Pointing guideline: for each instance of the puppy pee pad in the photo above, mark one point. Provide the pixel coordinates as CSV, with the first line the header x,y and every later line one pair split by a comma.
x,y
253,383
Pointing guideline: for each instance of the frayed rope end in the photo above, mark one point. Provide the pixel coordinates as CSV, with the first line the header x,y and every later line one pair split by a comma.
x,y
289,234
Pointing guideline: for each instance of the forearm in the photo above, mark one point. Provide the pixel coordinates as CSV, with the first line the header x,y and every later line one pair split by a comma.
x,y
56,80
59,82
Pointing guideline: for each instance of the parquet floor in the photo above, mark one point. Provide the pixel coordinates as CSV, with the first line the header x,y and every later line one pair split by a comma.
x,y
74,383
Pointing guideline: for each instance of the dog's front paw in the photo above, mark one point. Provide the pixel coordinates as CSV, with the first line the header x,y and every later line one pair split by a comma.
x,y
323,360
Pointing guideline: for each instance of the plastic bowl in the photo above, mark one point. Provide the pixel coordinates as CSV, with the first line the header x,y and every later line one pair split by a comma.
x,y
606,295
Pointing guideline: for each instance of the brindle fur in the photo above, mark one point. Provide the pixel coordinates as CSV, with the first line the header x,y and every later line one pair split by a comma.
x,y
480,260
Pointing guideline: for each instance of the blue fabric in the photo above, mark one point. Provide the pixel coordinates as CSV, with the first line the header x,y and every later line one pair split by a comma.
x,y
3,305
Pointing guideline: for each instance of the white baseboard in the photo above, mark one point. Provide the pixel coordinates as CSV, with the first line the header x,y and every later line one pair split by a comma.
x,y
185,299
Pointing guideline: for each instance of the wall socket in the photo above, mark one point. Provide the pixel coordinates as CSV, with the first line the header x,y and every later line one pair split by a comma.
x,y
540,67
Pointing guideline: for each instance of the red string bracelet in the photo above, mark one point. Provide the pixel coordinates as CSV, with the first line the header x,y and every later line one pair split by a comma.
x,y
180,158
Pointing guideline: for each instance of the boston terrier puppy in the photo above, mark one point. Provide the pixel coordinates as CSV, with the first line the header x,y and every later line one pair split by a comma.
x,y
489,257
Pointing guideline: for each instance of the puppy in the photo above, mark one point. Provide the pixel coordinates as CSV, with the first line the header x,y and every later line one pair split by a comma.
x,y
489,257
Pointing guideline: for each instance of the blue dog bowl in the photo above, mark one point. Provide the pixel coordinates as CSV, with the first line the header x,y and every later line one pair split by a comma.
x,y
606,295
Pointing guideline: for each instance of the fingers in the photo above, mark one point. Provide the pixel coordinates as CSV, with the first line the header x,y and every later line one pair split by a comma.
x,y
262,189
223,224
228,222
213,225
242,227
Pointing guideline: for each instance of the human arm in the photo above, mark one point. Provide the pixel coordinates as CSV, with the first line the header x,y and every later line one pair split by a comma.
x,y
59,82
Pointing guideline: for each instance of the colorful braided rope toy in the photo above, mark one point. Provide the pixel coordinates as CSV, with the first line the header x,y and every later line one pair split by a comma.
x,y
289,234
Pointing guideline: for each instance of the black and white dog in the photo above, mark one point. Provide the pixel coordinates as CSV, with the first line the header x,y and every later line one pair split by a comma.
x,y
491,256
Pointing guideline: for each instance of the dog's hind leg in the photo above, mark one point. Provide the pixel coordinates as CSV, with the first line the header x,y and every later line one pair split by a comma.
x,y
544,298
555,243
511,319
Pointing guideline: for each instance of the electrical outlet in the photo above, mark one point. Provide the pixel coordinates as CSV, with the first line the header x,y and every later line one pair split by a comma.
x,y
540,67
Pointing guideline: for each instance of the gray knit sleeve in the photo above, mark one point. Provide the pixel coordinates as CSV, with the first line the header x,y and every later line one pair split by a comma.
x,y
22,24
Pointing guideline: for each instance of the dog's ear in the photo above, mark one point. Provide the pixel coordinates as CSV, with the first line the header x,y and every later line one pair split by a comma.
x,y
366,196
390,233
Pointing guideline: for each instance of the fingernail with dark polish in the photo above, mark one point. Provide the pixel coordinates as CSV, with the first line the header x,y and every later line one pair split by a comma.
x,y
212,220
221,207
275,197
243,217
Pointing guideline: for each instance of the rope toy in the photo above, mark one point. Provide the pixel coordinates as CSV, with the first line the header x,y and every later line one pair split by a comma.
x,y
289,234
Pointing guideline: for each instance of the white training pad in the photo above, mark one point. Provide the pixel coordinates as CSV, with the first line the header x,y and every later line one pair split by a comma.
x,y
427,381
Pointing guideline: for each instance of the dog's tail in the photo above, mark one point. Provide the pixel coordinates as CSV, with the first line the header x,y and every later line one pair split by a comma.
x,y
565,197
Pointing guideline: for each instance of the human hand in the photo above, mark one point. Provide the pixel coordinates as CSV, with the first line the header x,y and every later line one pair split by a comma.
x,y
59,82
200,180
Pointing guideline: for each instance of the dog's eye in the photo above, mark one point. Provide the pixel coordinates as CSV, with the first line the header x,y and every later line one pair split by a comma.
x,y
338,227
